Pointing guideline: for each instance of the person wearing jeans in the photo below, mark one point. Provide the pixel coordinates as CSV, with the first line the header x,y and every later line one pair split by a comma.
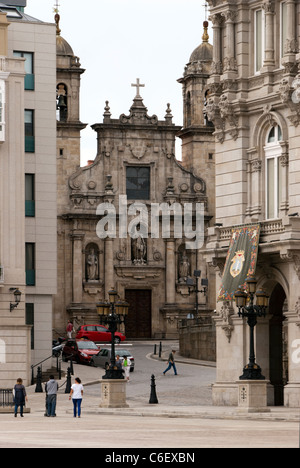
x,y
76,395
51,391
171,363
20,397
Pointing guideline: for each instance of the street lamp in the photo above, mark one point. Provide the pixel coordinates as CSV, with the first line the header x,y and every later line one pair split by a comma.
x,y
113,313
17,295
191,283
252,371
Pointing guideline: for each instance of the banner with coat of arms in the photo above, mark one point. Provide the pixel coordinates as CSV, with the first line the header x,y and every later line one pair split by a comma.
x,y
241,260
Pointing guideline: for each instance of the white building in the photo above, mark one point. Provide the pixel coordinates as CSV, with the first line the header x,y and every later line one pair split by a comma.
x,y
28,184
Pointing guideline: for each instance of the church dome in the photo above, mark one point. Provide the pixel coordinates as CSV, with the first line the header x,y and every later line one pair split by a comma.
x,y
63,47
204,52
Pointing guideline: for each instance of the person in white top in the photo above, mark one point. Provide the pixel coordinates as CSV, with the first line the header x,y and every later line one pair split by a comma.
x,y
76,395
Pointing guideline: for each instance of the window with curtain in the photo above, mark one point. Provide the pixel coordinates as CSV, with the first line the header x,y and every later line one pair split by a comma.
x,y
29,77
30,263
29,131
29,195
259,35
274,175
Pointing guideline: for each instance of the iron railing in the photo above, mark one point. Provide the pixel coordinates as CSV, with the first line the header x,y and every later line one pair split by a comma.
x,y
6,398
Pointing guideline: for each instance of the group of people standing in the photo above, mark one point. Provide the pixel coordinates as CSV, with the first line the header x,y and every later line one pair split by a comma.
x,y
51,388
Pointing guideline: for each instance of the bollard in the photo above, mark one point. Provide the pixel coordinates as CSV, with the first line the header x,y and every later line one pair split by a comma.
x,y
39,388
153,397
69,382
71,366
160,349
155,350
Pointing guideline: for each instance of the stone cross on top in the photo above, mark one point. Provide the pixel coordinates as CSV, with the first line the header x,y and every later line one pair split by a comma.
x,y
138,85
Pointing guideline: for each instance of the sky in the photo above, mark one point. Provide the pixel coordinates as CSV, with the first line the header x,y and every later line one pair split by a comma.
x,y
119,41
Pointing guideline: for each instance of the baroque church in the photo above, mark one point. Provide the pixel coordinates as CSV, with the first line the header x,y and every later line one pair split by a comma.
x,y
135,165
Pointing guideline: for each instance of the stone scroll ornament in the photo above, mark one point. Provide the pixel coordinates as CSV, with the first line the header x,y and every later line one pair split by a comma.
x,y
241,260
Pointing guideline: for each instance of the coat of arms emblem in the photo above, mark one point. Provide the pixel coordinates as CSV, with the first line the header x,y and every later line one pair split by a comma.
x,y
237,263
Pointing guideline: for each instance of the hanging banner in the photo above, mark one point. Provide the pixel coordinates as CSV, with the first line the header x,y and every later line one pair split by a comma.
x,y
241,260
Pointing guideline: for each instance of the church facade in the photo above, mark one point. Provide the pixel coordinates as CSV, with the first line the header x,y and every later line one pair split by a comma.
x,y
254,104
146,254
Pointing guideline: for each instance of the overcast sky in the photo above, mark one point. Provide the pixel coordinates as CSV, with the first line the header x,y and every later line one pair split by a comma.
x,y
121,40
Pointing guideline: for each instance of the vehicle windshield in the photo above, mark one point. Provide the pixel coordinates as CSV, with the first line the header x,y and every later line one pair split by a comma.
x,y
123,352
87,345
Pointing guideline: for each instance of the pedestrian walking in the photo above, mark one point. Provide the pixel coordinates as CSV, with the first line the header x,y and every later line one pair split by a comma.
x,y
76,395
171,363
51,399
20,397
70,329
126,367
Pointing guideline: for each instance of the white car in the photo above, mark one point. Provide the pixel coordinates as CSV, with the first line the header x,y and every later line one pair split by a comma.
x,y
102,359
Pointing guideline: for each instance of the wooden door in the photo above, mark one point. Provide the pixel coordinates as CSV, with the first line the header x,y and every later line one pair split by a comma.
x,y
138,321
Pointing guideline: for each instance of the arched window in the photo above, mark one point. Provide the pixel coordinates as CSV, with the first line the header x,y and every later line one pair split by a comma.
x,y
62,102
188,110
274,173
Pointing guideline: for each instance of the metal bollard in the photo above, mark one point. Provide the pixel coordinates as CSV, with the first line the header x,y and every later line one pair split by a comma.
x,y
69,381
39,388
153,397
155,350
160,349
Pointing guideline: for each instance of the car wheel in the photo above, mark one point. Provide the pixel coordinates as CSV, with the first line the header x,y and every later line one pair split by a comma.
x,y
117,340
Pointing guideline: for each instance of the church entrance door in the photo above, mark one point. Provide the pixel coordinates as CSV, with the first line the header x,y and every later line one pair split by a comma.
x,y
138,321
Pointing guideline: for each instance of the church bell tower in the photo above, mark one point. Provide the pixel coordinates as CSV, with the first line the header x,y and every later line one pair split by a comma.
x,y
197,132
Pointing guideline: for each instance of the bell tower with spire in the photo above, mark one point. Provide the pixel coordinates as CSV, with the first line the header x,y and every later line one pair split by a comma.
x,y
197,132
69,126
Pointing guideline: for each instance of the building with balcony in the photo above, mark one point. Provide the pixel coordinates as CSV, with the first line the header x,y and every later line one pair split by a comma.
x,y
254,105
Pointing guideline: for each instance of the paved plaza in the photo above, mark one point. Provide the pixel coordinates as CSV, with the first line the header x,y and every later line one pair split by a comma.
x,y
184,417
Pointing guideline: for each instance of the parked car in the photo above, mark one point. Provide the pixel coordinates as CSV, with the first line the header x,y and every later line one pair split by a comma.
x,y
80,351
98,334
104,357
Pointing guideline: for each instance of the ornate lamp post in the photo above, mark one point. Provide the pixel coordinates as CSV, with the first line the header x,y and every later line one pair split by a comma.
x,y
113,313
252,371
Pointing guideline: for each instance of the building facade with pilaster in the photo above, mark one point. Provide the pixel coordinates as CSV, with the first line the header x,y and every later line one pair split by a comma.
x,y
254,105
28,184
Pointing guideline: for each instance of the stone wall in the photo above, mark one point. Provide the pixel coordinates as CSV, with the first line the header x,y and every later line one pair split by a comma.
x,y
197,340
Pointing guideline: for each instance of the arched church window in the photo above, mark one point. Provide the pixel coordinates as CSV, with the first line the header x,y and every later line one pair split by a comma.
x,y
62,102
188,110
274,172
207,122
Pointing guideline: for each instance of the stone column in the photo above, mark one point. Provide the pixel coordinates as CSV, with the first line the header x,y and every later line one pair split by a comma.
x,y
170,272
292,389
229,63
109,266
77,238
269,61
291,46
217,62
284,164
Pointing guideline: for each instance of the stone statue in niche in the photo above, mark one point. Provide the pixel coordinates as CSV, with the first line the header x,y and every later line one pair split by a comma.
x,y
92,266
184,268
139,251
